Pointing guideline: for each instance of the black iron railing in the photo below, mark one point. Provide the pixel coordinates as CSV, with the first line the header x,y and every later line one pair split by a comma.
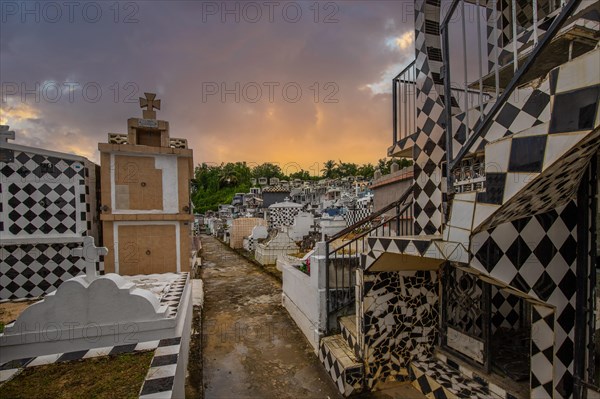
x,y
404,103
520,70
343,256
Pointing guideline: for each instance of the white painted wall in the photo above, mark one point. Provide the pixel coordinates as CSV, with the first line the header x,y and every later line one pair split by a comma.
x,y
332,226
304,297
302,226
281,244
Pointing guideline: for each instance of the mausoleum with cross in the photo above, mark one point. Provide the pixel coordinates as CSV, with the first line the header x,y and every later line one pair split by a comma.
x,y
145,196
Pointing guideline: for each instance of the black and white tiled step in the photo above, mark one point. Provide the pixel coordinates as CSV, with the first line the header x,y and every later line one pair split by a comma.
x,y
341,364
434,247
348,331
438,380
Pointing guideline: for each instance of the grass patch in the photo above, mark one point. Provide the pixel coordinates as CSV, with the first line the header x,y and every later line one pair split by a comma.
x,y
119,376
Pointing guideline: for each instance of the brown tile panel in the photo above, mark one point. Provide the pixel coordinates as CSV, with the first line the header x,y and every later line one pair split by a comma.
x,y
138,183
147,249
185,239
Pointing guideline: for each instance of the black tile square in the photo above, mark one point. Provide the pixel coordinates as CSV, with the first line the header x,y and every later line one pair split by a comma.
x,y
507,115
518,252
494,189
15,364
169,341
575,110
157,385
122,349
489,254
72,356
536,103
164,360
527,154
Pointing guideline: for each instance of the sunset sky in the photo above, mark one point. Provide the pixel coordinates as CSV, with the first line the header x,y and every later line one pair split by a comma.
x,y
304,81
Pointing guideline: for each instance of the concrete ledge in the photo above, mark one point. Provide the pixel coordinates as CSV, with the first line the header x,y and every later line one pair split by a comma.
x,y
308,328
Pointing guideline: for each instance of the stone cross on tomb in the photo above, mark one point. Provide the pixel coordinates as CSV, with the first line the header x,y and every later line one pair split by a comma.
x,y
315,227
150,103
6,134
90,254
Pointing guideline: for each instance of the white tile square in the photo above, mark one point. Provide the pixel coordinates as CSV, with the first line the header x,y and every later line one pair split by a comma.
x,y
558,144
515,182
5,375
42,360
482,212
162,371
468,197
504,270
536,130
531,270
95,352
504,235
462,214
146,345
158,395
459,235
167,350
580,72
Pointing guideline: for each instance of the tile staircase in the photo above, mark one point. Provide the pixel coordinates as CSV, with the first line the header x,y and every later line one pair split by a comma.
x,y
348,331
437,378
340,359
442,378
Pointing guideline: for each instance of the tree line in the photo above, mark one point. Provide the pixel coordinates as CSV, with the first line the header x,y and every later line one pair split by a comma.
x,y
217,184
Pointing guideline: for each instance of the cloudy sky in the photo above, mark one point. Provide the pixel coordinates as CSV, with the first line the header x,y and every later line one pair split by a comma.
x,y
295,83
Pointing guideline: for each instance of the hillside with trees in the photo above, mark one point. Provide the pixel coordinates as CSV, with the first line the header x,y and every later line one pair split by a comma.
x,y
217,184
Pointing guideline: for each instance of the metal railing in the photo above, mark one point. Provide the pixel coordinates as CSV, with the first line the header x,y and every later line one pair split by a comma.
x,y
404,102
519,70
343,259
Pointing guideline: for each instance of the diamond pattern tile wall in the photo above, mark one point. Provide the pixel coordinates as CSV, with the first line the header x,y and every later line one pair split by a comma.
x,y
47,204
33,270
429,150
536,255
46,208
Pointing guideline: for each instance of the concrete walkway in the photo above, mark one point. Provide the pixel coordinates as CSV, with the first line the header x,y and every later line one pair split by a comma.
x,y
251,347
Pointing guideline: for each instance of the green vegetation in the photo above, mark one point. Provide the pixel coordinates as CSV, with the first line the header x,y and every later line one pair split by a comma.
x,y
217,184
118,376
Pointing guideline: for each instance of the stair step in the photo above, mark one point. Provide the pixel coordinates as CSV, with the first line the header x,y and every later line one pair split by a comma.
x,y
438,380
420,247
349,333
342,365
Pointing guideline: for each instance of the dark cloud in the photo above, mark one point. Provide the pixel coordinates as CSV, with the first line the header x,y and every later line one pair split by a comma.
x,y
177,49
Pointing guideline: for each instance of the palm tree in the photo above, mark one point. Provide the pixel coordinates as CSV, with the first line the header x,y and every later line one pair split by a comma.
x,y
328,169
228,176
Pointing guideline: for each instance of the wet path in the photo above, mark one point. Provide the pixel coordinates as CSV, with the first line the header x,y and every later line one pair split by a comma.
x,y
251,347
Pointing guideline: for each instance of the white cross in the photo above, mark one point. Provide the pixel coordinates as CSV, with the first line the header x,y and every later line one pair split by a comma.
x,y
90,254
6,134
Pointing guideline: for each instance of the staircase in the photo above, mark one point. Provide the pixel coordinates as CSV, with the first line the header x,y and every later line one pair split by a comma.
x,y
339,354
345,252
438,379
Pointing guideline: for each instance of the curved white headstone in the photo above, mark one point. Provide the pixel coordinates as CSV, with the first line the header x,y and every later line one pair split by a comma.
x,y
105,300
